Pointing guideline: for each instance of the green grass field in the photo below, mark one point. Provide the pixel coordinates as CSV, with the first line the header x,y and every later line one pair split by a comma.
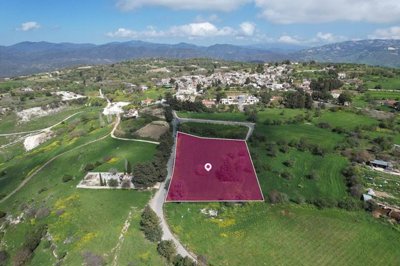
x,y
214,130
272,114
261,234
91,219
345,119
386,83
328,185
323,137
10,124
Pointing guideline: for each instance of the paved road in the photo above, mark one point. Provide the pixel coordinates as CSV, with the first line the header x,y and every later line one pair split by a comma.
x,y
249,125
157,203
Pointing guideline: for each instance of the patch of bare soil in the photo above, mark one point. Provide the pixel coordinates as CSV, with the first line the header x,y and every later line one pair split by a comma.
x,y
157,112
154,130
379,114
382,194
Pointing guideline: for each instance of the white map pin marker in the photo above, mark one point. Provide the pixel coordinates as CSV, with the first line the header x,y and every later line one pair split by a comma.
x,y
208,167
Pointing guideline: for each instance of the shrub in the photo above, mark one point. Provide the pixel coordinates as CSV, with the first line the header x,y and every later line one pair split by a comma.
x,y
284,149
113,182
32,241
356,190
299,199
2,214
183,261
92,259
42,213
288,163
350,204
313,175
22,257
34,237
4,256
271,150
324,203
317,150
277,197
67,178
150,225
89,167
286,175
43,189
126,184
167,249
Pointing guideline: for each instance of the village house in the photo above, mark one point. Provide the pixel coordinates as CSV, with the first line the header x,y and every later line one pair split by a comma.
x,y
208,103
132,113
146,102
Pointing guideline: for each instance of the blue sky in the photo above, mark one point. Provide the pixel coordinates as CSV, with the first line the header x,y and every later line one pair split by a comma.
x,y
246,22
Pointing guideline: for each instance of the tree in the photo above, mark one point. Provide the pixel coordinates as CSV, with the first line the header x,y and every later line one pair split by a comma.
x,y
167,249
219,96
344,98
128,168
260,68
67,178
113,183
168,114
4,256
298,99
183,261
150,225
144,175
265,97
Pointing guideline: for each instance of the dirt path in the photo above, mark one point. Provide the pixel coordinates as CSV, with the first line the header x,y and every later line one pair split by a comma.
x,y
31,133
116,250
29,177
39,130
125,139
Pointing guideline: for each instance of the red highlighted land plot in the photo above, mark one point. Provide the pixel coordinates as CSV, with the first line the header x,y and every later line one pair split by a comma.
x,y
209,170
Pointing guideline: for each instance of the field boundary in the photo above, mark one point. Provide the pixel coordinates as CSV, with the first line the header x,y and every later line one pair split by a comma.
x,y
206,201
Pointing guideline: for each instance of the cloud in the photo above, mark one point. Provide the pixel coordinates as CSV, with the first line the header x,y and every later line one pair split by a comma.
x,y
288,40
211,18
319,38
217,5
28,26
247,28
319,11
201,29
327,38
191,30
389,33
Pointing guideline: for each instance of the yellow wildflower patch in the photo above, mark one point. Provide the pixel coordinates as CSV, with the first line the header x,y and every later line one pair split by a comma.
x,y
222,223
86,239
113,160
64,202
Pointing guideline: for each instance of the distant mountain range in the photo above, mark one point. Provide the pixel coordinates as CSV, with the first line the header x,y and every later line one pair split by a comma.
x,y
33,57
370,52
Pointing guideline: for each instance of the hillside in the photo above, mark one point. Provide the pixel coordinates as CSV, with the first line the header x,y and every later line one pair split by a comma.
x,y
33,57
371,52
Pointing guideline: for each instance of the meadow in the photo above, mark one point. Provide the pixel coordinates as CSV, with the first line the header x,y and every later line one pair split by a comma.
x,y
214,130
11,123
263,234
288,233
85,220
